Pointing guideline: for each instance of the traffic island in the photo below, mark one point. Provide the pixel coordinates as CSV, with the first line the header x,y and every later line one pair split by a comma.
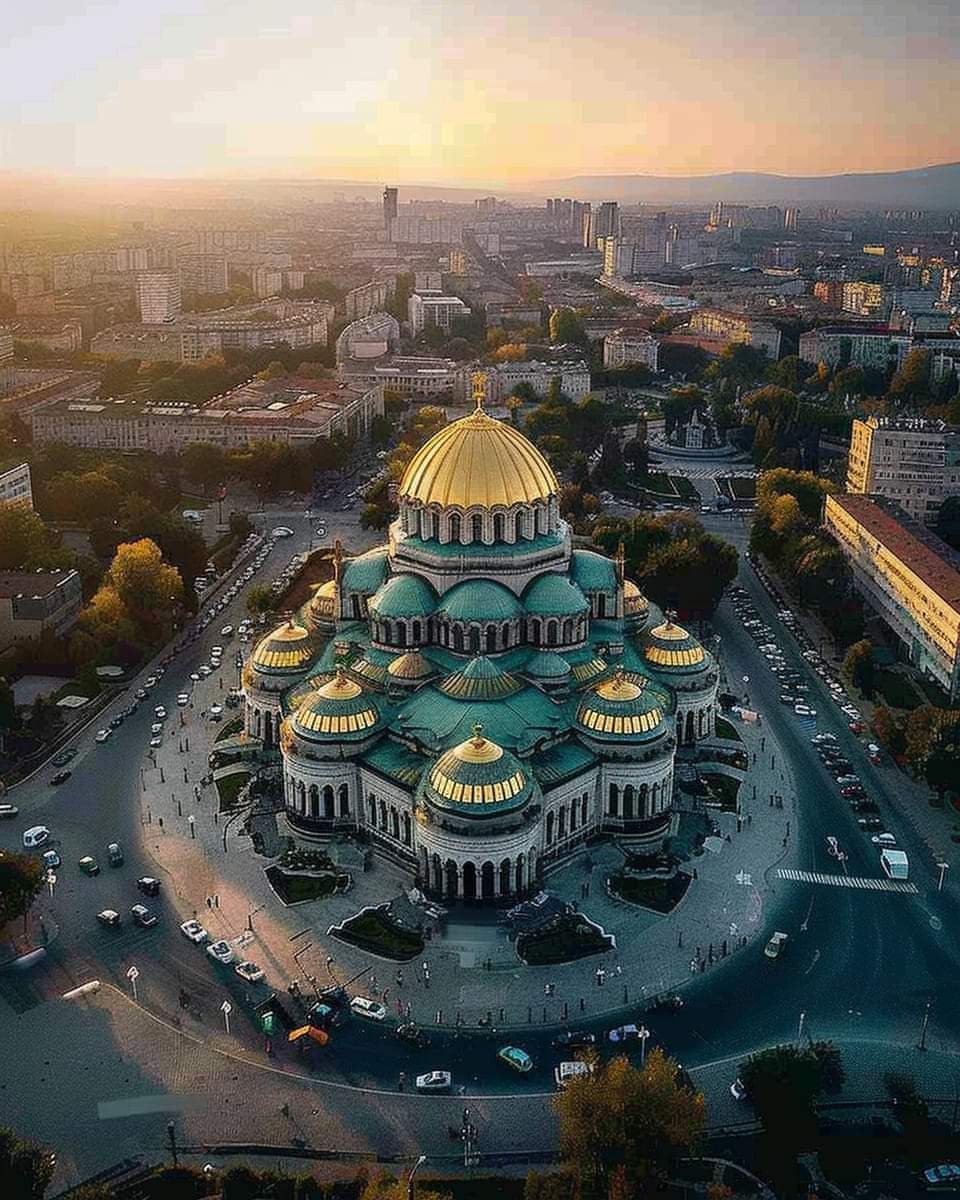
x,y
570,937
229,788
373,930
295,887
655,892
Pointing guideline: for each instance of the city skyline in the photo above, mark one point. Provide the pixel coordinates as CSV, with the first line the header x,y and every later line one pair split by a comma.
x,y
363,94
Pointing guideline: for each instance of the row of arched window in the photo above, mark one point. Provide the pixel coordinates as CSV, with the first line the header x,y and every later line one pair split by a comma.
x,y
566,819
475,637
477,881
479,528
695,724
389,820
316,802
636,803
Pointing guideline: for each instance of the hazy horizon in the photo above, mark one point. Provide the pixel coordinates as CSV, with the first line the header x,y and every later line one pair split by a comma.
x,y
505,96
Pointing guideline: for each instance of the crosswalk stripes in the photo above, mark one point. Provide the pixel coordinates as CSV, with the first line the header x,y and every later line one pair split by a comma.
x,y
850,881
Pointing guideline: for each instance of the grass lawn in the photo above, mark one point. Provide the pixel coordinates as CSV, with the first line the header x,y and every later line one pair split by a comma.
x,y
660,485
743,487
567,941
231,729
229,788
374,931
897,691
684,488
293,888
723,790
74,687
726,730
662,895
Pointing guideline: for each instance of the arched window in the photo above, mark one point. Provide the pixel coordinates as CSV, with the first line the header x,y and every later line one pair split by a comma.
x,y
628,798
498,527
314,801
395,823
406,829
491,638
562,824
383,814
602,604
573,815
613,801
454,526
372,806
474,639
355,607
505,877
476,528
690,729
302,794
521,881
518,526
567,631
416,632
328,802
344,800
458,639
550,822
487,878
401,633
535,631
551,633
505,636
583,808
642,809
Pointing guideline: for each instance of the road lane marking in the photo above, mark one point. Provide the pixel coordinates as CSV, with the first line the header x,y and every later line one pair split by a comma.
x,y
850,881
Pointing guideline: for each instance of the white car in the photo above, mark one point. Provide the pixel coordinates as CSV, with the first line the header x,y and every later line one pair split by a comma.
x,y
156,728
160,713
281,531
194,931
183,699
36,836
227,630
140,694
205,671
216,652
883,839
222,951
216,710
434,1081
194,676
360,1006
150,681
155,742
102,735
249,971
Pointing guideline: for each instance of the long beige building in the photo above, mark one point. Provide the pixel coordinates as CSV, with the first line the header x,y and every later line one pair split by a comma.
x,y
908,460
275,411
729,326
908,577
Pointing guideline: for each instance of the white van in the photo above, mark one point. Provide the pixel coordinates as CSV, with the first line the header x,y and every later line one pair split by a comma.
x,y
568,1071
895,864
39,835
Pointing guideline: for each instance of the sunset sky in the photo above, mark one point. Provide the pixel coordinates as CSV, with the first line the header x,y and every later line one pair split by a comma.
x,y
504,91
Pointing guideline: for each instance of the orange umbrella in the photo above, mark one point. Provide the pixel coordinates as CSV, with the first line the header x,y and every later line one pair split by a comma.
x,y
318,1035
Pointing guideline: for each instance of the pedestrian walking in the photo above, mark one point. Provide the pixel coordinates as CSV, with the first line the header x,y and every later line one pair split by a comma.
x,y
399,978
386,995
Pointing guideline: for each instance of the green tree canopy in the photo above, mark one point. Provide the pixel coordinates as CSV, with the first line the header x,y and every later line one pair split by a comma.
x,y
21,879
25,1167
859,666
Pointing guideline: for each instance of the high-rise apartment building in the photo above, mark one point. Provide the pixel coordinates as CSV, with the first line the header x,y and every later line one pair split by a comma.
x,y
914,462
390,210
158,297
607,223
864,299
204,274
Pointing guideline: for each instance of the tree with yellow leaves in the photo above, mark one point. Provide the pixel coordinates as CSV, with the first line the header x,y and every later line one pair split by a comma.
x,y
139,599
621,1126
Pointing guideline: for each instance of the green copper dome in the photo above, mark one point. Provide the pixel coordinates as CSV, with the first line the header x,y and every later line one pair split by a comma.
x,y
480,600
554,596
404,596
593,572
547,665
366,572
481,679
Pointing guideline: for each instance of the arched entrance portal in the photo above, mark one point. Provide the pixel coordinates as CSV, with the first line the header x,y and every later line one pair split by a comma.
x,y
469,881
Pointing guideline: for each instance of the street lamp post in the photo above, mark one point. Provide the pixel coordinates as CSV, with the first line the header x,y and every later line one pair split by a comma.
x,y
413,1170
803,1017
942,867
922,1044
51,882
643,1034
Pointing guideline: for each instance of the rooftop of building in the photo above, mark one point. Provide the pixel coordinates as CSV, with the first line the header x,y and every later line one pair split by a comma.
x,y
909,424
920,550
32,583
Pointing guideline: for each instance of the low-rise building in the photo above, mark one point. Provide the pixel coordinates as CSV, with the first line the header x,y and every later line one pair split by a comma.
x,y
54,333
368,338
278,410
728,326
440,311
865,345
623,349
16,486
911,461
864,299
503,378
908,577
410,375
33,603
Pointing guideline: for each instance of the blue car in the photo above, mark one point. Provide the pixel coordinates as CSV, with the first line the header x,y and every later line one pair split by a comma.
x,y
515,1058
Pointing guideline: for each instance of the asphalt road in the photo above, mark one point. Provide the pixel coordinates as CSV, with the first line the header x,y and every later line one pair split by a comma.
x,y
857,964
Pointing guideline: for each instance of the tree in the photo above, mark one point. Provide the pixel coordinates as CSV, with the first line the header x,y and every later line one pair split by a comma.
x,y
25,1167
888,730
25,542
9,717
21,879
910,386
859,666
566,325
832,1073
386,1187
261,599
139,600
948,521
204,464
621,1116
786,373
782,1084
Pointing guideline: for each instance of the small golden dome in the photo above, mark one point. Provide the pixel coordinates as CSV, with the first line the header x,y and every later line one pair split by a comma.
x,y
477,749
340,687
286,648
668,632
478,461
617,687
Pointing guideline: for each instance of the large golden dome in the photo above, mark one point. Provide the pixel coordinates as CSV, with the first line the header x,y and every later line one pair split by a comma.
x,y
478,461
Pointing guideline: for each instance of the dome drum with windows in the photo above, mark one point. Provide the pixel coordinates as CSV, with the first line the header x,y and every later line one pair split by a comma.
x,y
671,649
628,708
477,778
338,710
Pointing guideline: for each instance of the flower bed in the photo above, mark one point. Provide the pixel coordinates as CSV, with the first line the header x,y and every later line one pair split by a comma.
x,y
570,938
725,730
661,895
723,789
295,888
373,931
230,787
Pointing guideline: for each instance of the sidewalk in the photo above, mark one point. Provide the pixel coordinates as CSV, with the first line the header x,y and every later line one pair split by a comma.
x,y
654,953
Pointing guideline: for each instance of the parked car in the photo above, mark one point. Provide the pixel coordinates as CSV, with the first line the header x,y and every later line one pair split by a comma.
x,y
148,885
36,835
666,1004
109,917
51,859
515,1058
574,1039
360,1006
566,1072
65,756
222,951
624,1033
412,1034
89,865
434,1081
143,917
60,777
102,735
115,854
775,945
194,931
249,971
945,1177
8,811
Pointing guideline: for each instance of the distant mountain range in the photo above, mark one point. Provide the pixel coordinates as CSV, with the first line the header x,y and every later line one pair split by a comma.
x,y
928,188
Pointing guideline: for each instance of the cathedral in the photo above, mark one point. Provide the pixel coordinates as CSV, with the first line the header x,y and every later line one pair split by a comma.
x,y
479,697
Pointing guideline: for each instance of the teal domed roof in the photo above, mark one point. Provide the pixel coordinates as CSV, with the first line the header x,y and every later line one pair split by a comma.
x,y
478,778
630,708
554,596
404,596
670,648
339,710
366,572
480,600
547,665
481,679
593,572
